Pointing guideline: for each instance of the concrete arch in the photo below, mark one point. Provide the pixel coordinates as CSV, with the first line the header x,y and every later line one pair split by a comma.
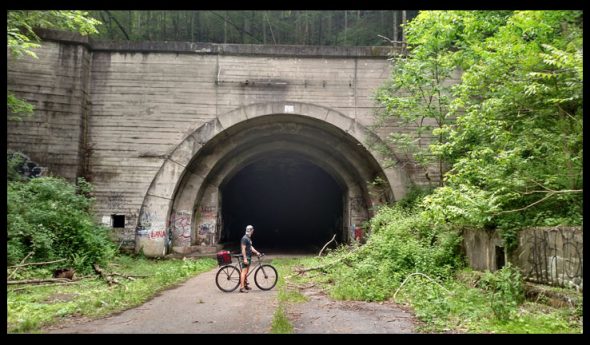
x,y
184,194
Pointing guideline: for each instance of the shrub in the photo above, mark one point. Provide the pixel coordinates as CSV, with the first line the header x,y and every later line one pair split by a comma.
x,y
50,217
401,242
506,291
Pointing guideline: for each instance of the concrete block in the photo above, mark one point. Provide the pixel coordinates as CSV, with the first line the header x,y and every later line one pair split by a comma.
x,y
339,120
233,117
167,179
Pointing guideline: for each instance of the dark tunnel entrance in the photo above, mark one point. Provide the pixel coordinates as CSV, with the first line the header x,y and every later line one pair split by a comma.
x,y
294,206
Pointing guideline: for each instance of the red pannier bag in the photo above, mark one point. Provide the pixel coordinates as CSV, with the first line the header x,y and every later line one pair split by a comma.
x,y
223,257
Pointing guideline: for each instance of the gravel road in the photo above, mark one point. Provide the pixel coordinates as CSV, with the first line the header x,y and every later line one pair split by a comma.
x,y
198,307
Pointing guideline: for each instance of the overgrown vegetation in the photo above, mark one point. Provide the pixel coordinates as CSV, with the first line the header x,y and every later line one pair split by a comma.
x,y
512,158
33,307
509,136
408,263
22,40
286,297
509,131
50,218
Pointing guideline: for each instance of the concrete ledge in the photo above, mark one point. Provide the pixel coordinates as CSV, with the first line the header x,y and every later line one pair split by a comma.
x,y
379,52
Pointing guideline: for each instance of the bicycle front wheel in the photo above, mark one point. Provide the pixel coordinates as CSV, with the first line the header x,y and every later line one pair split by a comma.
x,y
266,277
228,278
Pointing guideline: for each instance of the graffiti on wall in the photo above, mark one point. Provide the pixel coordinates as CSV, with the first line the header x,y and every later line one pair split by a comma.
x,y
25,166
180,228
115,200
207,224
554,256
357,205
145,220
151,226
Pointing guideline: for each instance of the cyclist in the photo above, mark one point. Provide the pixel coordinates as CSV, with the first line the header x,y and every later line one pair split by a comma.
x,y
247,250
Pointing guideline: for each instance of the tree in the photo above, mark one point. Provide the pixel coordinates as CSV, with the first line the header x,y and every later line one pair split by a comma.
x,y
516,150
22,40
418,92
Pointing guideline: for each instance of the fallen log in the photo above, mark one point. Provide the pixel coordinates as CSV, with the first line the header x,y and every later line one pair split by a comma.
x,y
39,285
322,267
37,281
37,263
108,278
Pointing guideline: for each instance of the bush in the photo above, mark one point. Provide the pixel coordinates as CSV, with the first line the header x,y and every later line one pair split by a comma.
x,y
401,242
506,291
50,217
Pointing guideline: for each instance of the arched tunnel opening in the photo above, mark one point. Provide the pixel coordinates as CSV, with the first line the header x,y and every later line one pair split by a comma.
x,y
294,206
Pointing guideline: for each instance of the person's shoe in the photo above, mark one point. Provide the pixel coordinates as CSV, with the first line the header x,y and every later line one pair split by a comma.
x,y
247,287
243,290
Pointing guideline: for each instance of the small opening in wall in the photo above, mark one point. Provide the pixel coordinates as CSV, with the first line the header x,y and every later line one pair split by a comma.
x,y
118,220
499,257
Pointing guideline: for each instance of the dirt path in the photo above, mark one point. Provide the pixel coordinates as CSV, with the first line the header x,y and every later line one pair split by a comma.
x,y
322,315
198,306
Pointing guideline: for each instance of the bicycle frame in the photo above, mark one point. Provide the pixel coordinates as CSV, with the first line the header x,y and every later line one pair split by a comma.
x,y
252,267
228,276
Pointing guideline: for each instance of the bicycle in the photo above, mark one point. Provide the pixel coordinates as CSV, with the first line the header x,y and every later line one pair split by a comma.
x,y
228,276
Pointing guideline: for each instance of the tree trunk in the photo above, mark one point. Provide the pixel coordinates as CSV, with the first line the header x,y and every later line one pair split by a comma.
x,y
403,28
130,23
225,27
263,27
395,26
320,28
345,25
192,27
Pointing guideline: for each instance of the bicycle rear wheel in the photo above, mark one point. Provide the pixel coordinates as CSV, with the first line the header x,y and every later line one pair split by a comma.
x,y
228,278
266,277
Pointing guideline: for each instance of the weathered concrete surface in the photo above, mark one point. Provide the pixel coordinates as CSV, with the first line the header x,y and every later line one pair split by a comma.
x,y
548,255
135,119
57,85
552,255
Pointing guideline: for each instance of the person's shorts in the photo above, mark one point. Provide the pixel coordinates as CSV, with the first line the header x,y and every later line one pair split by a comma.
x,y
242,264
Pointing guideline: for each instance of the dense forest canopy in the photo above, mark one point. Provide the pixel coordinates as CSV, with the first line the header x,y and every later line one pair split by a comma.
x,y
331,28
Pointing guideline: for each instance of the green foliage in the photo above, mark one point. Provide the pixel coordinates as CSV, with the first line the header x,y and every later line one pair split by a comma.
x,y
336,28
21,36
22,40
13,163
515,145
30,309
401,242
17,108
280,322
49,216
413,197
506,291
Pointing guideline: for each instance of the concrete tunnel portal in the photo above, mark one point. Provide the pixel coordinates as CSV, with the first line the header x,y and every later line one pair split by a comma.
x,y
298,179
294,205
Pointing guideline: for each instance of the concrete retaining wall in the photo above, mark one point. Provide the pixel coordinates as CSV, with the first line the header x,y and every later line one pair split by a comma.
x,y
552,255
115,112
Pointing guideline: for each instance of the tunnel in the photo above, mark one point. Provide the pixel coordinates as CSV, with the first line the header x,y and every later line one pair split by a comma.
x,y
294,205
300,180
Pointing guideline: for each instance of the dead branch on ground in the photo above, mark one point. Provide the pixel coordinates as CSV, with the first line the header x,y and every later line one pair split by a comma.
x,y
17,267
325,245
37,281
109,276
37,263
